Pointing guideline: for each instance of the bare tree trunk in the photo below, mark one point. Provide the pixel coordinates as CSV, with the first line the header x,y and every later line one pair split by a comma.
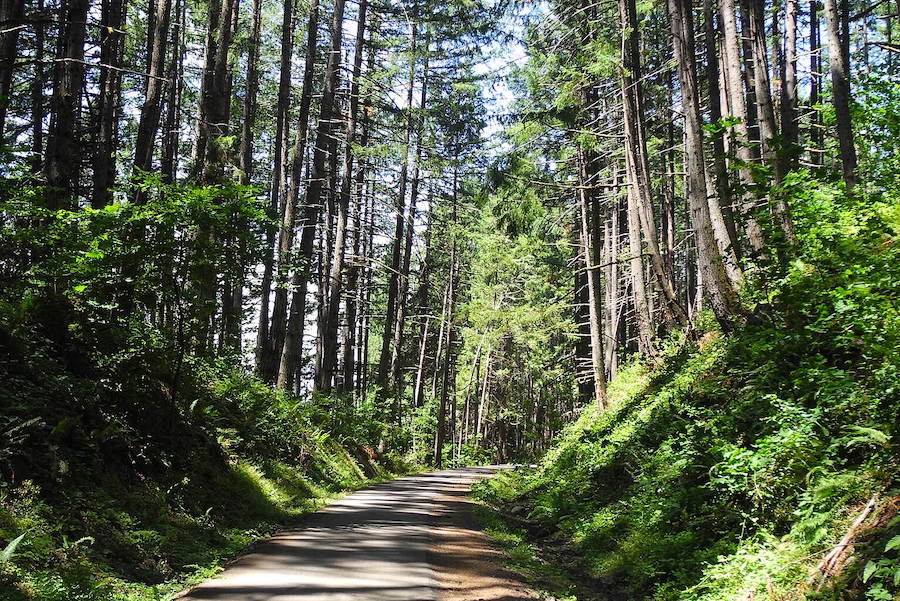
x,y
789,129
482,404
233,293
420,368
637,163
61,165
440,344
330,334
403,292
840,86
761,85
473,380
642,317
171,130
37,94
267,347
815,84
611,242
216,128
11,14
314,196
595,308
723,298
448,354
151,110
583,361
403,214
768,131
356,294
720,204
281,197
248,122
112,18
737,104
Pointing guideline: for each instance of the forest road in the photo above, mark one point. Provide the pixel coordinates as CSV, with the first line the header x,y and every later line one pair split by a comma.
x,y
411,539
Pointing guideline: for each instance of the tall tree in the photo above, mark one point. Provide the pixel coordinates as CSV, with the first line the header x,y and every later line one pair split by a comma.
x,y
281,197
840,91
403,213
595,310
396,370
112,19
62,168
637,168
215,131
290,352
11,15
330,350
723,299
151,109
738,109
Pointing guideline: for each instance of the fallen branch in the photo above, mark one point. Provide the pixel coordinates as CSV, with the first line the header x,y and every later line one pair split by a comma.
x,y
839,553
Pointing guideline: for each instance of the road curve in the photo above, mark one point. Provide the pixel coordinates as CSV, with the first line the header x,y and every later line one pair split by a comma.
x,y
373,545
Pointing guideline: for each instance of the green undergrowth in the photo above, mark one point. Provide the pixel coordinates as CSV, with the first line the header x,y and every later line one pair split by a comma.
x,y
543,571
732,467
129,476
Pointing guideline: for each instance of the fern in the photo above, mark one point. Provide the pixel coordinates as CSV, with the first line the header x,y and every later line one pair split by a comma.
x,y
10,549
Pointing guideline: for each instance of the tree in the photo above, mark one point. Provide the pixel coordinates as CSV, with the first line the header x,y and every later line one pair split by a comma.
x,y
722,296
11,13
330,335
61,167
313,207
840,91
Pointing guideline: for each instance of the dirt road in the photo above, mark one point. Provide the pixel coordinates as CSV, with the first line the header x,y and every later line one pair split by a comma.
x,y
412,539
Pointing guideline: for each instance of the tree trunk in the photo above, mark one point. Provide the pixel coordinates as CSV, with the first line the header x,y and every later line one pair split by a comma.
x,y
642,316
281,198
840,91
768,132
61,165
720,204
112,18
37,94
215,129
738,106
171,132
352,354
330,334
611,242
290,351
151,109
420,368
11,13
448,354
815,84
637,163
789,85
583,360
722,296
595,308
403,292
761,85
248,123
402,209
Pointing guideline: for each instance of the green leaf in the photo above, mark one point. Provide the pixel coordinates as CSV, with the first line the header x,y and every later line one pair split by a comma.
x,y
7,553
892,544
869,570
864,435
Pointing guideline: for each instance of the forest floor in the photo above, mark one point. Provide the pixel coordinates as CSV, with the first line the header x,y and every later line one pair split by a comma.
x,y
412,539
